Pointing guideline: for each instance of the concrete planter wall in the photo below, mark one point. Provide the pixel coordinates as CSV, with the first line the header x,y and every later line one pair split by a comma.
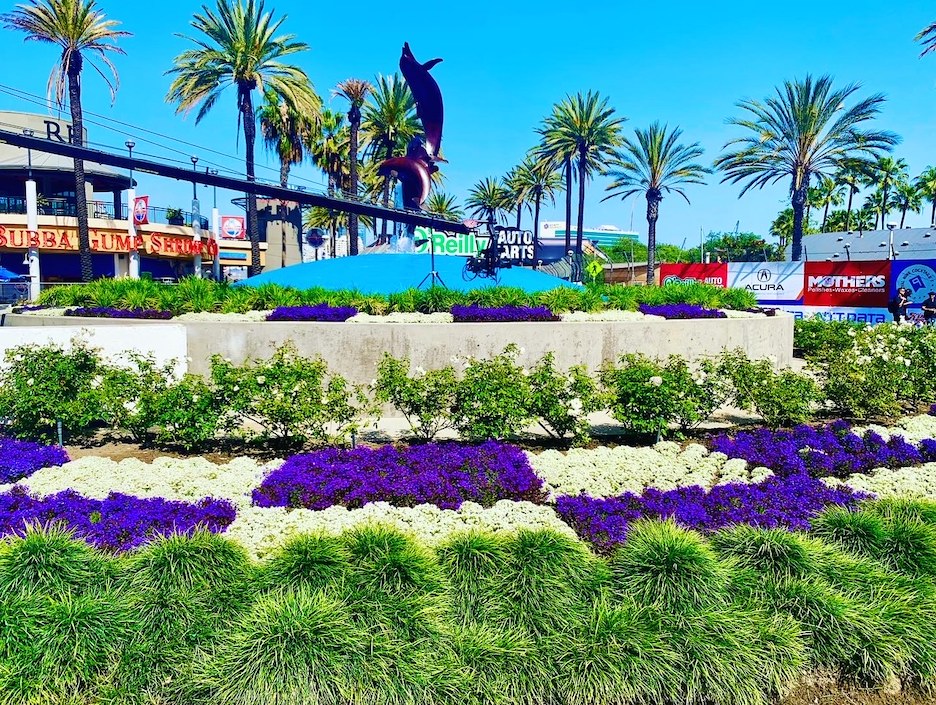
x,y
354,350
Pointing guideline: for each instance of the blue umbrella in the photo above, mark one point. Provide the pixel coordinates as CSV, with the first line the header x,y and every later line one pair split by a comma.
x,y
6,275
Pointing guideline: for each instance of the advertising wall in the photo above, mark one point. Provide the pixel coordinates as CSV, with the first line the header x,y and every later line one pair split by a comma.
x,y
770,282
715,274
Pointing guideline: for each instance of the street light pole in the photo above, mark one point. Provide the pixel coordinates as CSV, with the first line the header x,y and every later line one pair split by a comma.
x,y
215,231
196,223
32,224
133,266
890,249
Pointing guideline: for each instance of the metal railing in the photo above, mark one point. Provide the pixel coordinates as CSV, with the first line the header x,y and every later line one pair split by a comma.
x,y
99,209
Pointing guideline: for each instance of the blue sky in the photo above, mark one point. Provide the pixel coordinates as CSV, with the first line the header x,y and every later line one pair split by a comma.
x,y
506,63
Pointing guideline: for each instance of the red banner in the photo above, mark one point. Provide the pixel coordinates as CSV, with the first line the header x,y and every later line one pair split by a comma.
x,y
141,210
861,284
233,227
715,274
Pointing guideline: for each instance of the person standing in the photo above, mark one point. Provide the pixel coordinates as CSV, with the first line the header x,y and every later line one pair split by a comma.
x,y
929,308
899,305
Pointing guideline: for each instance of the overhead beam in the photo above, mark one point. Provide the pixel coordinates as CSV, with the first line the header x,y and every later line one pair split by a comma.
x,y
95,156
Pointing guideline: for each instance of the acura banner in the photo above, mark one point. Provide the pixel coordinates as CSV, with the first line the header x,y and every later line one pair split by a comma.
x,y
768,281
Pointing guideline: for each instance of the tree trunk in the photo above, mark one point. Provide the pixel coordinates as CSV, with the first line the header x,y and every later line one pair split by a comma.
x,y
653,212
519,214
903,215
933,214
799,206
825,215
851,194
884,207
250,137
354,119
284,173
536,217
581,205
81,198
568,212
384,232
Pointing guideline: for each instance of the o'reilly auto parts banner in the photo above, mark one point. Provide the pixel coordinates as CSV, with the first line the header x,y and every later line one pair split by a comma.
x,y
770,282
847,284
715,274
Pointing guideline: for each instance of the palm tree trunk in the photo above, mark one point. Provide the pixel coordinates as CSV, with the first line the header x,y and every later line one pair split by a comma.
x,y
851,194
354,118
903,215
653,212
581,205
536,217
825,215
519,213
284,173
933,213
81,198
799,206
568,204
250,137
883,207
384,232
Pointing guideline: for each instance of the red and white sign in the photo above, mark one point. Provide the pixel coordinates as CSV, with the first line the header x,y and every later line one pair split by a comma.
x,y
715,274
233,227
141,210
848,284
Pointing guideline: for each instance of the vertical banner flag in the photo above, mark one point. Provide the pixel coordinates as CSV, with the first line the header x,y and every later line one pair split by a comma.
x,y
849,284
141,210
769,281
233,227
715,273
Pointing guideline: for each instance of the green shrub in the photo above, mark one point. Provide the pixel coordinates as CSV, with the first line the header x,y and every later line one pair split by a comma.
x,y
288,397
561,401
819,338
492,399
782,398
425,399
313,562
776,552
42,385
861,532
186,413
128,396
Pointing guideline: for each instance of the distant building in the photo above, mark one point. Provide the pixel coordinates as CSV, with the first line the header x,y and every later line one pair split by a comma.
x,y
899,244
604,236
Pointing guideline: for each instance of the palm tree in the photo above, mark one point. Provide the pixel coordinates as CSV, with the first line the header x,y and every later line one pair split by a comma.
x,y
444,206
517,194
927,36
241,48
654,164
332,221
907,197
355,91
581,132
853,174
926,183
488,199
389,122
285,132
887,172
330,149
829,192
537,180
83,33
803,131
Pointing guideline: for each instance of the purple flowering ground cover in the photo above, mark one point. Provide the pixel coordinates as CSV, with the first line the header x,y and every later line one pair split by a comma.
x,y
444,474
319,312
501,314
777,502
680,311
119,523
830,451
19,459
108,312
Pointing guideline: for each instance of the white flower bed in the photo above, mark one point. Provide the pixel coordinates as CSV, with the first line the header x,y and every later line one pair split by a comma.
x,y
397,317
608,315
731,313
913,428
262,530
246,317
917,482
47,312
186,480
606,472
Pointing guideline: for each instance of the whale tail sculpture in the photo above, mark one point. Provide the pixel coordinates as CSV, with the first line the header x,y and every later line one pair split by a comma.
x,y
416,168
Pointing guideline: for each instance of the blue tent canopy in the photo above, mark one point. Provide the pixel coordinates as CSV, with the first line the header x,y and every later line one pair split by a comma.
x,y
7,276
393,273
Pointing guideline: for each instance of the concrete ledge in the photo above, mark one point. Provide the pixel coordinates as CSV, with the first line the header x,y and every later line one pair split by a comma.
x,y
353,350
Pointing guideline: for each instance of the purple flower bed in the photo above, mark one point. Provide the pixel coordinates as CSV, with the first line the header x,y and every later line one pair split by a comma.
x,y
442,474
27,309
319,312
19,459
830,451
108,312
680,311
777,502
118,523
502,314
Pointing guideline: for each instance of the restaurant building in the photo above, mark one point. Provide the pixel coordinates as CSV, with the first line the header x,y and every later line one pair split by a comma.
x,y
164,246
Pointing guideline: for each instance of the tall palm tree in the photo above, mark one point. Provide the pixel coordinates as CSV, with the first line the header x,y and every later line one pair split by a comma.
x,y
488,198
443,205
653,164
355,91
581,132
285,132
926,183
83,33
907,197
517,195
852,174
241,48
829,192
537,180
330,149
888,172
805,130
390,122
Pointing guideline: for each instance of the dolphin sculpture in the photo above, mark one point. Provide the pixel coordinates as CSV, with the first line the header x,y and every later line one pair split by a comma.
x,y
428,99
414,171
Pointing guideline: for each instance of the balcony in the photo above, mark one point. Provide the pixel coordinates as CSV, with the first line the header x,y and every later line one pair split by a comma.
x,y
96,209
